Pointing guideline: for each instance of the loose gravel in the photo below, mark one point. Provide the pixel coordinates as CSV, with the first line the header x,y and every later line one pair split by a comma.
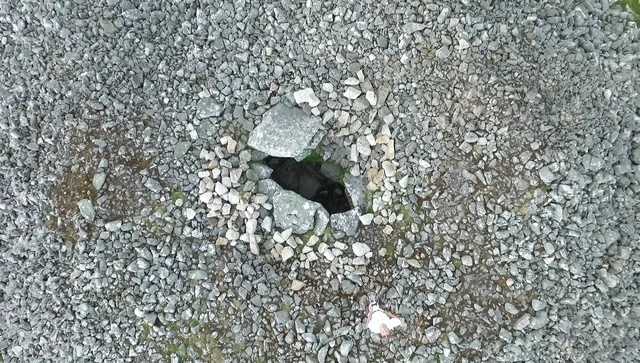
x,y
499,145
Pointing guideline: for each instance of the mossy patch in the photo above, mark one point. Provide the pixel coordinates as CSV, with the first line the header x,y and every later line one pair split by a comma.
x,y
285,307
82,152
178,194
631,6
313,158
391,249
194,336
343,171
407,218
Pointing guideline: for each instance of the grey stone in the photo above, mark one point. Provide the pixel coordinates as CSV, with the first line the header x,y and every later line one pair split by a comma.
x,y
322,220
538,321
546,175
153,185
453,338
208,107
286,132
356,190
322,354
413,27
268,187
309,337
347,286
181,148
360,104
345,347
293,211
537,305
262,171
197,275
505,335
86,209
511,309
432,334
522,322
346,222
282,317
330,170
443,52
98,180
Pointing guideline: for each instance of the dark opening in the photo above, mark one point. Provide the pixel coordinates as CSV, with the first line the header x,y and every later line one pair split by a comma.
x,y
311,181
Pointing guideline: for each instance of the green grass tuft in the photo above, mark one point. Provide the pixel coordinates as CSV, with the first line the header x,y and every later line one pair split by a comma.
x,y
632,6
343,171
178,194
313,158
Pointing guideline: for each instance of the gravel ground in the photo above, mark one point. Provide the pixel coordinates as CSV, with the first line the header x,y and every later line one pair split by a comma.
x,y
499,143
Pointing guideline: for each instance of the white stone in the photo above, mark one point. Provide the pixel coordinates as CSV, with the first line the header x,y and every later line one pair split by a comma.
x,y
286,253
232,235
351,81
389,168
253,246
251,226
306,96
190,213
360,249
371,97
231,145
206,197
221,189
235,174
404,181
546,175
366,219
327,87
313,240
113,226
328,255
352,93
233,196
537,305
296,285
467,260
267,223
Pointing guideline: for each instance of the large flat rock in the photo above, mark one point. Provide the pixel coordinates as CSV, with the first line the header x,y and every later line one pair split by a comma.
x,y
287,132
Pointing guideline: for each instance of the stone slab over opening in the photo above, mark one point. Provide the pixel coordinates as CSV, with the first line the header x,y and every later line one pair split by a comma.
x,y
306,195
287,132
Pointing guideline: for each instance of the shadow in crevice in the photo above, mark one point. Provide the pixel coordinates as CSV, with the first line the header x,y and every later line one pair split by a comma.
x,y
307,179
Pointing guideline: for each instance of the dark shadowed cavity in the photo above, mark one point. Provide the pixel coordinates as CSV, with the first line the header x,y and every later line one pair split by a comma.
x,y
307,179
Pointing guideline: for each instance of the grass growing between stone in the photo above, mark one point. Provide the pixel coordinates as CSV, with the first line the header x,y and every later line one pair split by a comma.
x,y
84,150
178,194
313,158
199,338
631,6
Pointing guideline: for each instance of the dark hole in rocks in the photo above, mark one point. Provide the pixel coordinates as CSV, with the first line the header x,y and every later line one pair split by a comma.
x,y
307,179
